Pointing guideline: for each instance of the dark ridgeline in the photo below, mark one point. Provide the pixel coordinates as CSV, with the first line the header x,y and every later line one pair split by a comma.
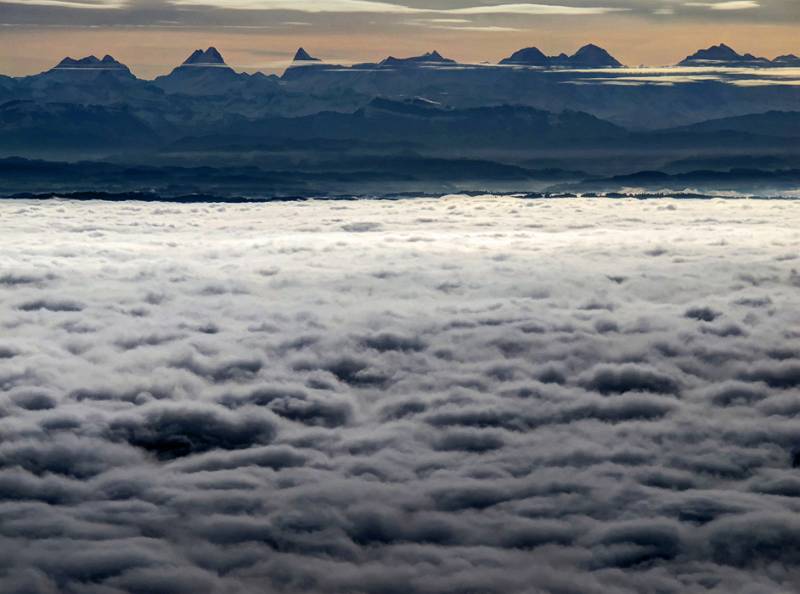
x,y
589,56
93,64
419,119
210,57
722,55
433,58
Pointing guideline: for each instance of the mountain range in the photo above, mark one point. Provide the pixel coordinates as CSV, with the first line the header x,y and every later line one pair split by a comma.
x,y
204,87
424,118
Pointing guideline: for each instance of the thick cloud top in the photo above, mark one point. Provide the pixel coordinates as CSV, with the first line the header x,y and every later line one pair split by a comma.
x,y
435,396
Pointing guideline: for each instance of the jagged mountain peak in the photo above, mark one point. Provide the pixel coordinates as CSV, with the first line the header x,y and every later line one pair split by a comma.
x,y
209,57
303,56
91,63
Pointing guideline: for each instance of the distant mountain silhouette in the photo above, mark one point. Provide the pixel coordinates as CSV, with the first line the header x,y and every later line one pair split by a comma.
x,y
771,123
788,60
305,66
530,56
206,73
723,55
89,68
303,56
91,63
432,58
304,61
210,57
418,123
344,178
423,105
589,56
385,125
748,180
592,56
48,128
87,81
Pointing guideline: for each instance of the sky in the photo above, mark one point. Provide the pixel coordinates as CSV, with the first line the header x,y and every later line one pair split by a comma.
x,y
152,36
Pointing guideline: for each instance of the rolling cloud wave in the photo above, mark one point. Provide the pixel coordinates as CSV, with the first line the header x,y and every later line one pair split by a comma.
x,y
465,394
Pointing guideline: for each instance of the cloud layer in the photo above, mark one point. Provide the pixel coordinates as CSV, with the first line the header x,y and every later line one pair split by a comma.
x,y
455,395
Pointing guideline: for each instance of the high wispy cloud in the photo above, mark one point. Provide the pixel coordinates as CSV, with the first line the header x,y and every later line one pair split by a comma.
x,y
730,5
345,6
385,13
96,5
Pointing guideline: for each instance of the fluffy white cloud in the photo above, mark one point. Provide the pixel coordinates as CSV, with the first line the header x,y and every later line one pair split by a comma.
x,y
487,394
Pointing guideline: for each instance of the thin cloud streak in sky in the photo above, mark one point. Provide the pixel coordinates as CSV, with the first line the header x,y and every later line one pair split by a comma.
x,y
344,6
365,6
732,5
455,27
533,9
99,5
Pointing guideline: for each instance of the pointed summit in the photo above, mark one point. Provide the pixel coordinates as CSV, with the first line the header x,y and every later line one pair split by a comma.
x,y
210,57
213,56
303,56
206,73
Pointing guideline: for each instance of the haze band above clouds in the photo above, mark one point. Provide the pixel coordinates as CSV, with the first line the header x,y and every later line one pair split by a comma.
x,y
426,396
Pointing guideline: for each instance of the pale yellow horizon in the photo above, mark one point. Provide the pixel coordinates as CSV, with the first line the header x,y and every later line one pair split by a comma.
x,y
150,52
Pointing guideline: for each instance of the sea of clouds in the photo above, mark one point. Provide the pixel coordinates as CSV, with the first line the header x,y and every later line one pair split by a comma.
x,y
462,395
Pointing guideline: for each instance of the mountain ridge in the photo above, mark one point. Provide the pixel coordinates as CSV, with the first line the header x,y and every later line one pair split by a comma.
x,y
724,55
